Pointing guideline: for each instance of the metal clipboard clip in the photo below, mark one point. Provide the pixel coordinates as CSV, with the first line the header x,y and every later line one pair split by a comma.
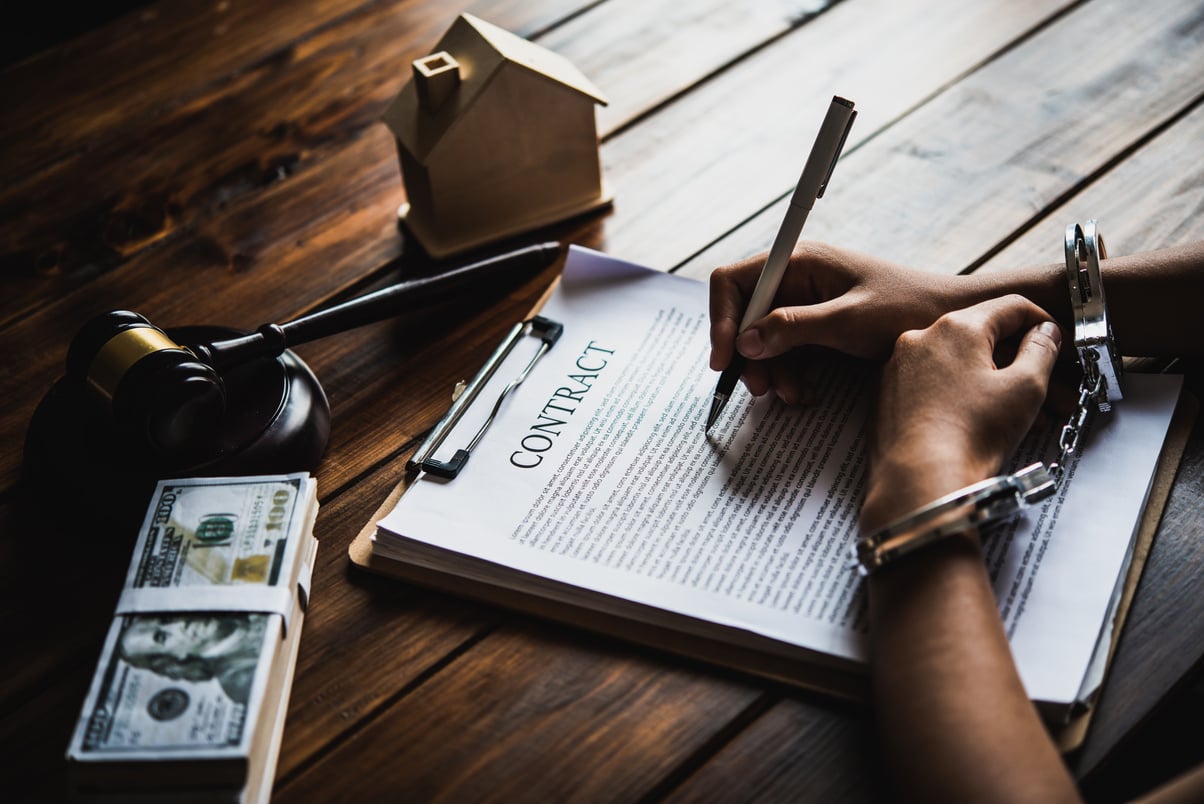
x,y
548,331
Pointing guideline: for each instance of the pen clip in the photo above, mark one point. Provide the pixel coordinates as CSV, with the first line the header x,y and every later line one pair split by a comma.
x,y
835,156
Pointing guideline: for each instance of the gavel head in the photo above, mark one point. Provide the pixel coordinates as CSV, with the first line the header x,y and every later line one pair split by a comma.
x,y
158,391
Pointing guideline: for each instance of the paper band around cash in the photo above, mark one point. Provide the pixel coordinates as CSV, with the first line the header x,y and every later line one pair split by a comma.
x,y
212,599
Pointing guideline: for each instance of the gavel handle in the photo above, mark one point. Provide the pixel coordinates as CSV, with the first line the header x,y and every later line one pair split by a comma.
x,y
271,340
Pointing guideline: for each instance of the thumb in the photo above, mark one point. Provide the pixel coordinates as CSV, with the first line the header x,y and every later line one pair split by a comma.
x,y
786,328
1038,351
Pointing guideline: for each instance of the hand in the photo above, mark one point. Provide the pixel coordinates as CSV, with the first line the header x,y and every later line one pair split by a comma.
x,y
951,410
830,297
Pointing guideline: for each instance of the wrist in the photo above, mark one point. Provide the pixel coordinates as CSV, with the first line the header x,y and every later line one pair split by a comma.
x,y
1044,285
902,481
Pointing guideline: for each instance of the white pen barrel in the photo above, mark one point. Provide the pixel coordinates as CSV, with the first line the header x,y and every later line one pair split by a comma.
x,y
775,265
811,183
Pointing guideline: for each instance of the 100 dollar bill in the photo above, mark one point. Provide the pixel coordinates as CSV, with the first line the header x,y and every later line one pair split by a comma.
x,y
190,685
217,532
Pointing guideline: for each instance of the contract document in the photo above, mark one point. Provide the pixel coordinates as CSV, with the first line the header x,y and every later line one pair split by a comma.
x,y
596,487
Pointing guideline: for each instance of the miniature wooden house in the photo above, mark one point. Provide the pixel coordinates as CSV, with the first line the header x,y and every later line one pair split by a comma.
x,y
496,136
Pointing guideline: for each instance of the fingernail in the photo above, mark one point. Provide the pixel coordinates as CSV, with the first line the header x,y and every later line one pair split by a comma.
x,y
1052,330
749,343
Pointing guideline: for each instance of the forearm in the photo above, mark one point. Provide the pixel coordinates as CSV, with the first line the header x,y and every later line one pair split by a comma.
x,y
955,720
1153,298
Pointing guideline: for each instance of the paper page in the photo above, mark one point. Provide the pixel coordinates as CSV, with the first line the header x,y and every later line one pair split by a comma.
x,y
597,473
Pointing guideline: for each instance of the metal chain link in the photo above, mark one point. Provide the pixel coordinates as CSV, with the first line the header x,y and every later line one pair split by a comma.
x,y
1089,393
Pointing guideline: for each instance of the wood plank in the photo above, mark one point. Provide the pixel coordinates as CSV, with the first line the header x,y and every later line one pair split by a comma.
x,y
217,139
1161,643
371,421
292,116
277,121
141,196
944,187
802,749
493,723
718,157
642,53
76,96
1153,199
313,236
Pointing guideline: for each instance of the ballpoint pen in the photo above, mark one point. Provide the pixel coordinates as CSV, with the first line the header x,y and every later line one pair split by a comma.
x,y
811,185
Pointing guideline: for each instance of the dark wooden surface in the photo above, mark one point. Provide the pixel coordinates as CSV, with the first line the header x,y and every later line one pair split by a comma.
x,y
224,163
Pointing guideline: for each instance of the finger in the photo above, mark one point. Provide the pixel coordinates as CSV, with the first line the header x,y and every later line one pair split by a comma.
x,y
1002,317
723,338
1037,354
786,328
790,383
757,377
729,292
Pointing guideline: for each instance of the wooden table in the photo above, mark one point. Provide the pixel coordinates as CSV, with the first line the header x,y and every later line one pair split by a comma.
x,y
224,163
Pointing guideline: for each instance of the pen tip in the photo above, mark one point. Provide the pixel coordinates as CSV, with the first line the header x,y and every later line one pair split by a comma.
x,y
717,404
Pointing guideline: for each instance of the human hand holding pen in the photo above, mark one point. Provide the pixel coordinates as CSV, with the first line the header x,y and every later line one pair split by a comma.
x,y
812,183
829,296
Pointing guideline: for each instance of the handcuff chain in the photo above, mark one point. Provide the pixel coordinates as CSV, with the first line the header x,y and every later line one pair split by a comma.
x,y
1072,431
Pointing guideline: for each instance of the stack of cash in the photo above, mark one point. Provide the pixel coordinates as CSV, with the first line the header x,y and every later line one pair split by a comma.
x,y
190,693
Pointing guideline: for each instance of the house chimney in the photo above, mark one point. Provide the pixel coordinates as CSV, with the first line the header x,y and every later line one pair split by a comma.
x,y
435,77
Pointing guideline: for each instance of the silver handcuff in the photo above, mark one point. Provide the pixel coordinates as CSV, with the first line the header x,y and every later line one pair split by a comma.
x,y
1007,495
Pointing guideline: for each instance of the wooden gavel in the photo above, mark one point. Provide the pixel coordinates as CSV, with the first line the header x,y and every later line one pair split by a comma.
x,y
172,397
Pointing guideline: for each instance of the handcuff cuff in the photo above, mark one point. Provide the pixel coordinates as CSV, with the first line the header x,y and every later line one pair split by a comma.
x,y
1004,496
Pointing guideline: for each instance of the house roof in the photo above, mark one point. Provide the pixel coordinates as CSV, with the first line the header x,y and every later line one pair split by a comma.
x,y
482,50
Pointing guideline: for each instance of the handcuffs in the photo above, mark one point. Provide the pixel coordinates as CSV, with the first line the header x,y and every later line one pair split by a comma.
x,y
1006,495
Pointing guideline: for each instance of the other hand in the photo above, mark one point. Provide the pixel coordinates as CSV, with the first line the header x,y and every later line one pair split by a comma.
x,y
951,409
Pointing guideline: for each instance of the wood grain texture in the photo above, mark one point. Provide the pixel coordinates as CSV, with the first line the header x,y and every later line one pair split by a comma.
x,y
675,46
743,141
1159,646
943,188
495,723
1153,199
365,434
242,258
75,96
761,763
229,130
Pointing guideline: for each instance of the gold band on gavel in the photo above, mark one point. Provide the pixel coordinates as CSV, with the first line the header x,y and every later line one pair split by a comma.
x,y
120,353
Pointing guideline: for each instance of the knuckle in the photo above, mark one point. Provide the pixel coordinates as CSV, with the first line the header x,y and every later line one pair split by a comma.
x,y
780,318
958,323
910,341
